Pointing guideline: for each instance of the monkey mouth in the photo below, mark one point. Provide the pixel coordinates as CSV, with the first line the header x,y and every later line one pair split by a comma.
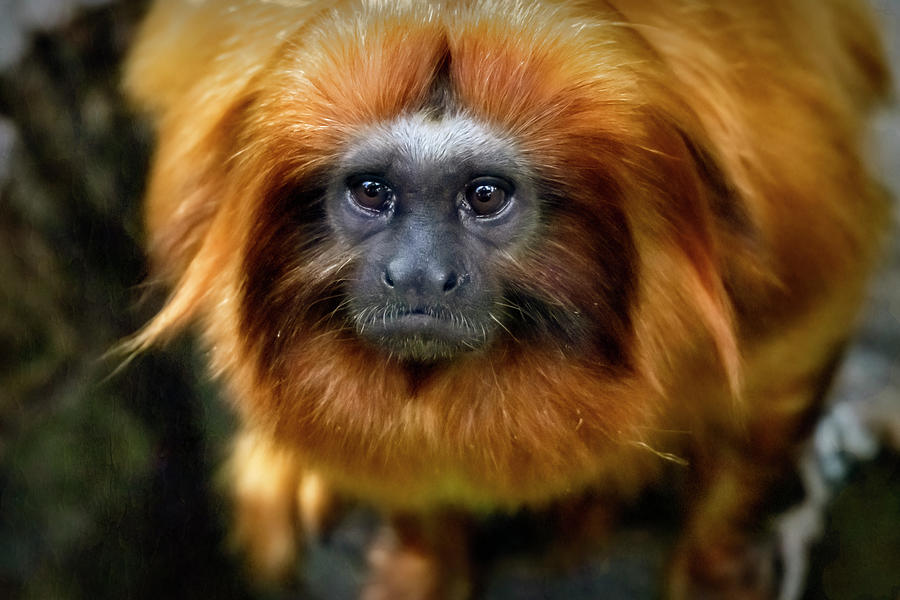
x,y
421,334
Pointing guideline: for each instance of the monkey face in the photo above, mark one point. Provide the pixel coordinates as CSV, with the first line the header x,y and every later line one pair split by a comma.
x,y
428,205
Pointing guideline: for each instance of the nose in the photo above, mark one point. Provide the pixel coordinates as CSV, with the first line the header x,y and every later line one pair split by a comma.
x,y
421,278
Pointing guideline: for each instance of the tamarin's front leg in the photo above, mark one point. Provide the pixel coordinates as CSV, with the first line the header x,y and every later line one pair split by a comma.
x,y
275,501
723,552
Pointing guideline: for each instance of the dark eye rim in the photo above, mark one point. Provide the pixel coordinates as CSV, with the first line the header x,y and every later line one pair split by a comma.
x,y
355,181
492,180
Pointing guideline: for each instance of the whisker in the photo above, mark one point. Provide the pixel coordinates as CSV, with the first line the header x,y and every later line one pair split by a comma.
x,y
502,326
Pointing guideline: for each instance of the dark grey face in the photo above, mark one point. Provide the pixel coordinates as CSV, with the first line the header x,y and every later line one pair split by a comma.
x,y
428,205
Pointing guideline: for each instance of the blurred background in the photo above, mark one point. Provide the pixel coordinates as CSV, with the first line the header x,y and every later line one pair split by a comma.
x,y
107,480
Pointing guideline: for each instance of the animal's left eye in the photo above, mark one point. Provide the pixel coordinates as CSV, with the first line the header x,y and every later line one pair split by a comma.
x,y
487,195
371,194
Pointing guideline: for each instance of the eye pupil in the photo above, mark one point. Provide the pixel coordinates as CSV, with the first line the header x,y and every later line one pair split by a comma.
x,y
485,193
372,189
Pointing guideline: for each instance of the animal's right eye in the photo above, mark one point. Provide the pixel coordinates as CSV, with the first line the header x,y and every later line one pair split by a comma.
x,y
371,194
487,196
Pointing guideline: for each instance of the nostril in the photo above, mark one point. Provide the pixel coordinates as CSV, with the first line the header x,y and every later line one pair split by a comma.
x,y
387,279
451,283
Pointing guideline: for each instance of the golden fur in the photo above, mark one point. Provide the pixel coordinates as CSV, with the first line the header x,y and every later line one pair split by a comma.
x,y
719,217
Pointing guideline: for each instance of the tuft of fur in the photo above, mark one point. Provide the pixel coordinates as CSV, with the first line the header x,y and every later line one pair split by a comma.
x,y
707,211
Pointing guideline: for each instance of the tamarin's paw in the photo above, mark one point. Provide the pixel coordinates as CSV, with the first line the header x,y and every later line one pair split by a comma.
x,y
413,567
725,570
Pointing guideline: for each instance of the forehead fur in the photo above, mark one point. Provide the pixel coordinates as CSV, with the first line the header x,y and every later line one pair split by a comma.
x,y
419,141
526,69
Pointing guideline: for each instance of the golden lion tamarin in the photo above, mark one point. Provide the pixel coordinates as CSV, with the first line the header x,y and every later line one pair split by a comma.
x,y
459,257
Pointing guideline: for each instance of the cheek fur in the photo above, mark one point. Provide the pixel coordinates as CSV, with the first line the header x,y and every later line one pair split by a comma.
x,y
293,271
574,287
